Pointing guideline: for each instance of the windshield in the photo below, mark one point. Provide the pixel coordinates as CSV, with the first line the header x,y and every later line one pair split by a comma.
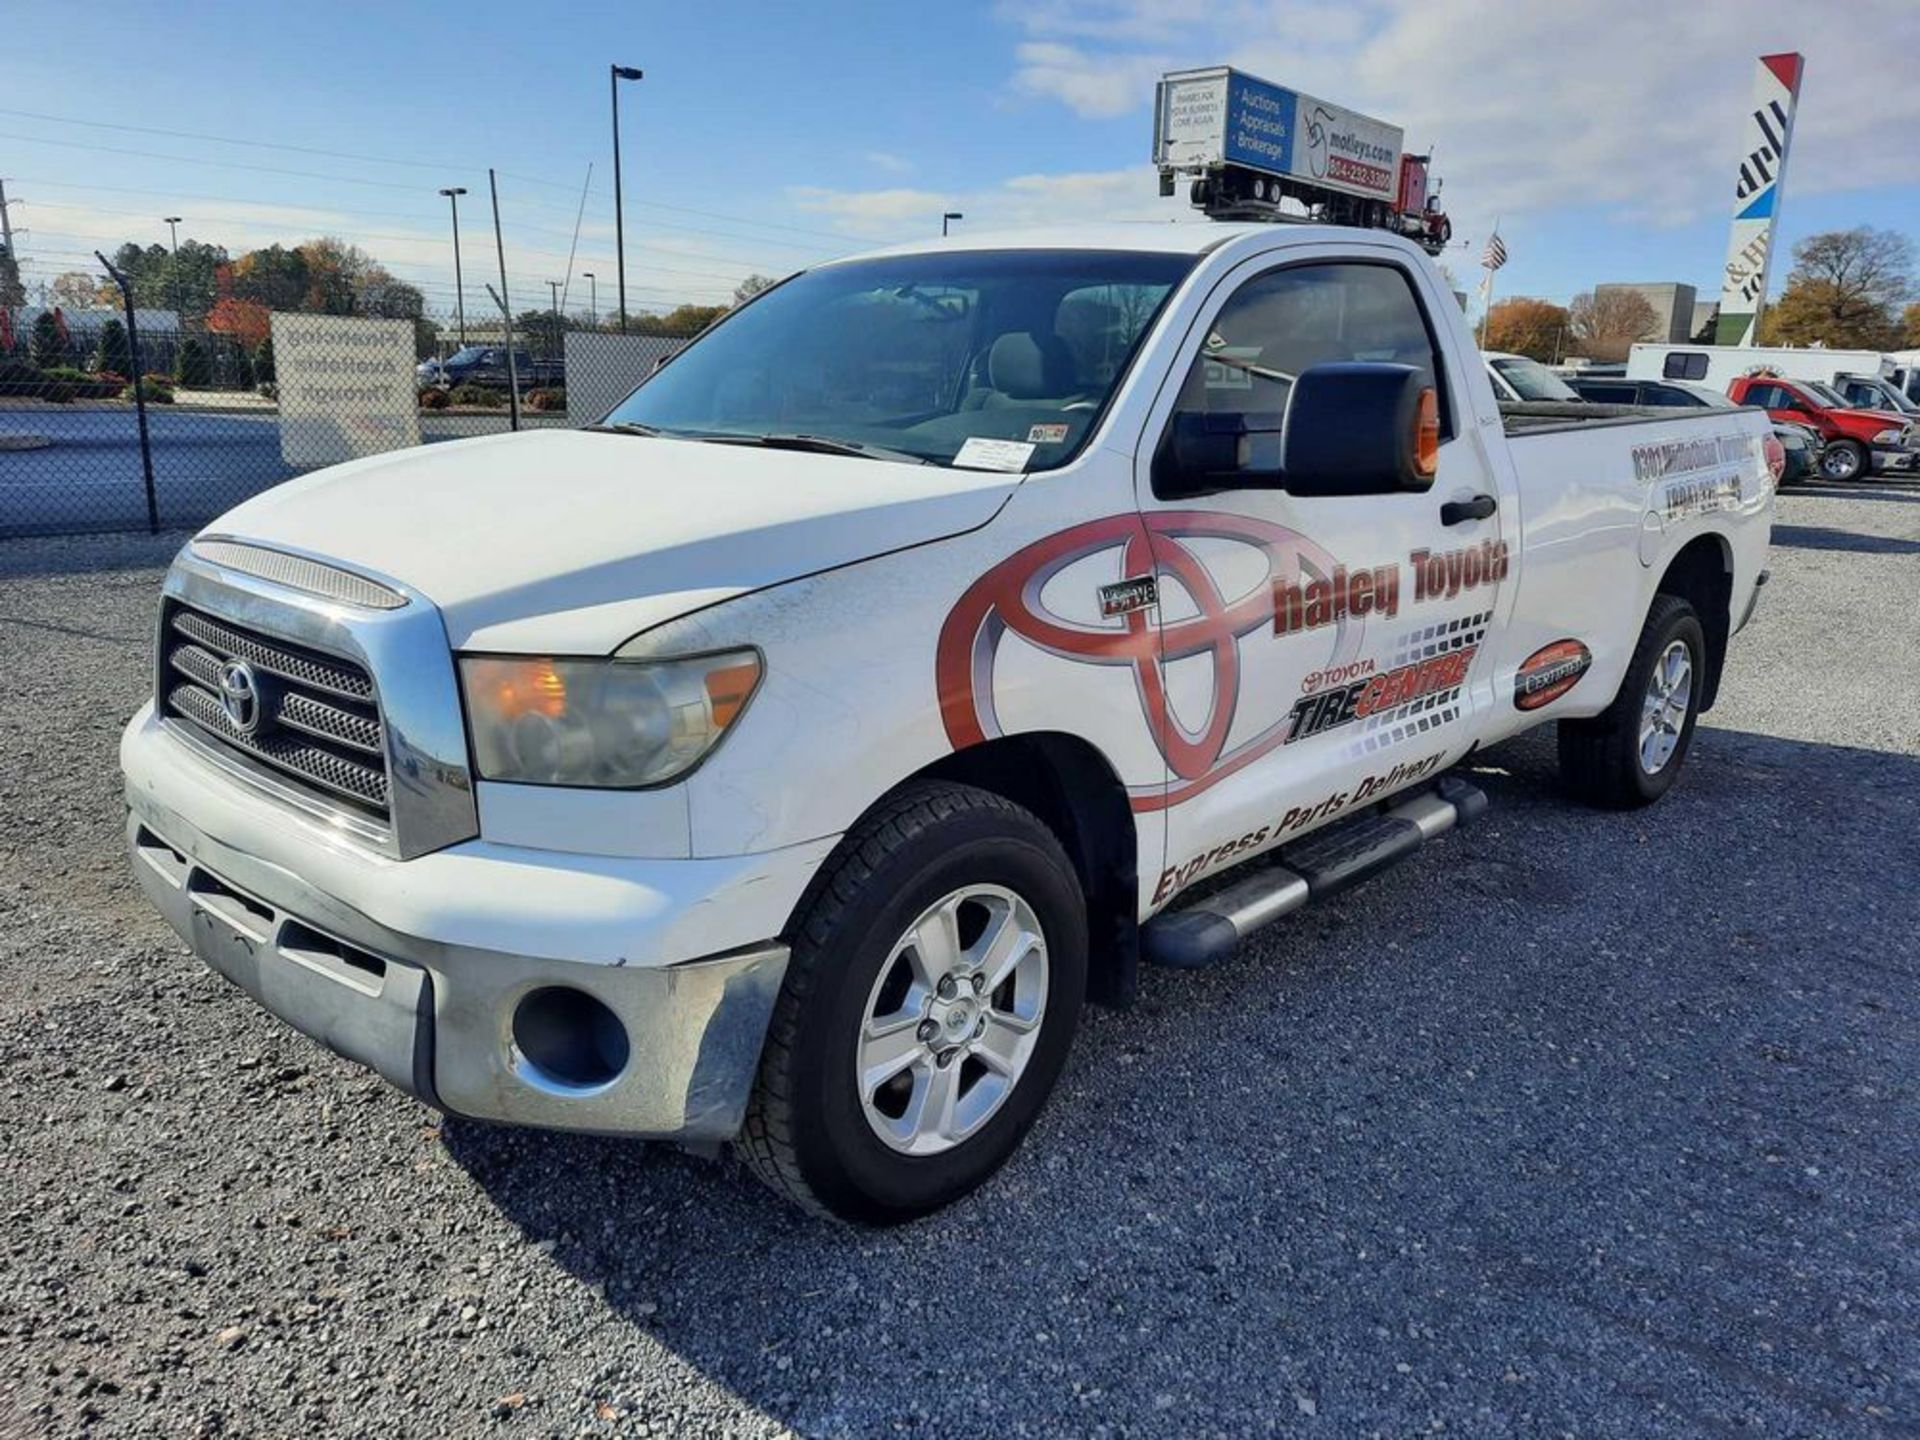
x,y
1533,381
1826,394
1703,395
466,354
918,355
1878,395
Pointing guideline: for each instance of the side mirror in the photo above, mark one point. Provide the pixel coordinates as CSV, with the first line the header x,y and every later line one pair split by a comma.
x,y
1360,428
1206,452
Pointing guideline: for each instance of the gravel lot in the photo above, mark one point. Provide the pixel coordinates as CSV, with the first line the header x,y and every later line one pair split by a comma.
x,y
1578,1124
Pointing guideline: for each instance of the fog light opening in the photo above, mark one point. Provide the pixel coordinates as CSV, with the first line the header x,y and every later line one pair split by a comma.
x,y
567,1040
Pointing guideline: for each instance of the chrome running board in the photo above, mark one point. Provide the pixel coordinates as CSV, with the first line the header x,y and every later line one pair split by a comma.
x,y
1322,864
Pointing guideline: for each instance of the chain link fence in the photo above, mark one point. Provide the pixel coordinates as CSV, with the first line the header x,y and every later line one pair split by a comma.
x,y
132,421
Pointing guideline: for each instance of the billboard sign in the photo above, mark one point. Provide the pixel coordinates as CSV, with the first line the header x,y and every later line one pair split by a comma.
x,y
1223,117
347,387
1756,198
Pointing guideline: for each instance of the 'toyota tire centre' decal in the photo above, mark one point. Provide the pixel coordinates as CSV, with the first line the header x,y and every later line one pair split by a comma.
x,y
1550,672
1007,597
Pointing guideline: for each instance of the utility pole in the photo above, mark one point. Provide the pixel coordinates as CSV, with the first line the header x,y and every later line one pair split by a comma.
x,y
6,221
172,222
553,290
593,298
453,194
616,74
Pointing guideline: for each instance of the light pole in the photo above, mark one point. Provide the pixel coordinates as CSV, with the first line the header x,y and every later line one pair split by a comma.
x,y
172,222
617,73
950,215
453,194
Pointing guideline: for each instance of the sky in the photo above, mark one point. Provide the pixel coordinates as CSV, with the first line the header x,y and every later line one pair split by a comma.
x,y
1601,138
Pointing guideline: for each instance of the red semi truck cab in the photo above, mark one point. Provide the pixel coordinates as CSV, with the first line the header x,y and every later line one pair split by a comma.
x,y
1856,441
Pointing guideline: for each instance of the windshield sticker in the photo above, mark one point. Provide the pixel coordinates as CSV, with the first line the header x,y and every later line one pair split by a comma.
x,y
982,454
1055,434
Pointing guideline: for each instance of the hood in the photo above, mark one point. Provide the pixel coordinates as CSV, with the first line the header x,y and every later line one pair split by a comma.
x,y
572,541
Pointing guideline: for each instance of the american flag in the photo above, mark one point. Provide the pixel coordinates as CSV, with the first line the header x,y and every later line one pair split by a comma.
x,y
1495,255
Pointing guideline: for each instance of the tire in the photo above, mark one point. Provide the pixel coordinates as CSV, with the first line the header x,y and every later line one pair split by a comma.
x,y
1843,460
1605,761
810,1131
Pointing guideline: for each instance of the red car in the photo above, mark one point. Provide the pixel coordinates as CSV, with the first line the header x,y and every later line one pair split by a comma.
x,y
1856,440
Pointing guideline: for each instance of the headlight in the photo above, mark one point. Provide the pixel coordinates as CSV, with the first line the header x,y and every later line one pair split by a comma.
x,y
616,724
1889,437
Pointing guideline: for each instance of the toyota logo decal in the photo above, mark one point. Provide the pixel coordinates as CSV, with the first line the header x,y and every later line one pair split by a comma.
x,y
240,695
1007,598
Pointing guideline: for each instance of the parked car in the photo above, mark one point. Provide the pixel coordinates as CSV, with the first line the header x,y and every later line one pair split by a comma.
x,y
1516,378
783,760
1801,444
1855,442
1871,392
486,365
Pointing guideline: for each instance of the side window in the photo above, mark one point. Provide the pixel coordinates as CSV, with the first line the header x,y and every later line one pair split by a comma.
x,y
1609,394
1286,321
1684,365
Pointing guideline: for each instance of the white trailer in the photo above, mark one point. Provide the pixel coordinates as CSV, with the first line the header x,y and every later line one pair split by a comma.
x,y
1720,365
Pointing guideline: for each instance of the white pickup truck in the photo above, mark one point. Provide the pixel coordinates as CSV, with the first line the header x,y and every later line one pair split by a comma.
x,y
950,630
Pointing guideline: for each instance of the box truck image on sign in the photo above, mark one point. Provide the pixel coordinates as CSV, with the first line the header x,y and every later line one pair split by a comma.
x,y
1219,116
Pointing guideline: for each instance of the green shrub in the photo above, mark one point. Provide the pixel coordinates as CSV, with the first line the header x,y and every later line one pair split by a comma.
x,y
44,346
193,368
17,377
152,391
59,392
434,398
552,398
478,395
113,353
263,370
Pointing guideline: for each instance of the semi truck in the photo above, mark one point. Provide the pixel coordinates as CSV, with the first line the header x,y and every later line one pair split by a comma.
x,y
1253,148
946,637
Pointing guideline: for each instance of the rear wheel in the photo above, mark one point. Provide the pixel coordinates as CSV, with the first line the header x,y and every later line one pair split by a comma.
x,y
1843,460
1630,754
933,991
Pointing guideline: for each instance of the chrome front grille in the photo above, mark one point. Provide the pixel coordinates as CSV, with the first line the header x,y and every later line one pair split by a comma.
x,y
313,717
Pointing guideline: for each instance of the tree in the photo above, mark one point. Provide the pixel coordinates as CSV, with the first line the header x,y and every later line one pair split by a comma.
x,y
1844,291
248,321
750,287
263,370
46,346
1605,323
1535,328
193,367
274,277
1910,322
682,321
73,290
113,354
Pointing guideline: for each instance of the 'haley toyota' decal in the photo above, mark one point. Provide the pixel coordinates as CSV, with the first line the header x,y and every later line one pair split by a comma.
x,y
1549,673
1007,598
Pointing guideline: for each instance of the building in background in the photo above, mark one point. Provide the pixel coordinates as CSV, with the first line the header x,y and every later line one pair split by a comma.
x,y
1673,306
1756,197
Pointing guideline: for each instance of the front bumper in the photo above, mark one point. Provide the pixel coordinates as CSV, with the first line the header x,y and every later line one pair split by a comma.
x,y
1894,459
309,930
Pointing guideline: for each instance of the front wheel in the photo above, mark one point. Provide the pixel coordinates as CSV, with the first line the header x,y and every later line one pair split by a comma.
x,y
1630,753
935,982
1843,460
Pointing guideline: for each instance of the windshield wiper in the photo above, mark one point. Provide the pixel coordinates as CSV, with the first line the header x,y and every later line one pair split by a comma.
x,y
626,427
818,444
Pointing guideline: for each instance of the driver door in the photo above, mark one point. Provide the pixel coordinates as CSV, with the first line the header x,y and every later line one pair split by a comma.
x,y
1319,653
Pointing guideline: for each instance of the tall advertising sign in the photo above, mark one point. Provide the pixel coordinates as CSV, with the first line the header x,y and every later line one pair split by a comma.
x,y
1756,197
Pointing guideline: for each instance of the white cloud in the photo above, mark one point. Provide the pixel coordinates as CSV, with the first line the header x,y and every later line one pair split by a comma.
x,y
1636,107
886,160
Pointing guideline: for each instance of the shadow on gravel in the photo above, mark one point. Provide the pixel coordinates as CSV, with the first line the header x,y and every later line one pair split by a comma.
x,y
1584,1122
1819,537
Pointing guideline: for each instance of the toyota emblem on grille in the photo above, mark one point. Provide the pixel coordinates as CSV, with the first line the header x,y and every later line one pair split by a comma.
x,y
240,695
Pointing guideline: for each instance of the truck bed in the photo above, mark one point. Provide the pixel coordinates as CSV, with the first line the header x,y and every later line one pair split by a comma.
x,y
1544,417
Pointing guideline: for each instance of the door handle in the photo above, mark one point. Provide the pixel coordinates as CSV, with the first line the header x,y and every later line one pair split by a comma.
x,y
1478,508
